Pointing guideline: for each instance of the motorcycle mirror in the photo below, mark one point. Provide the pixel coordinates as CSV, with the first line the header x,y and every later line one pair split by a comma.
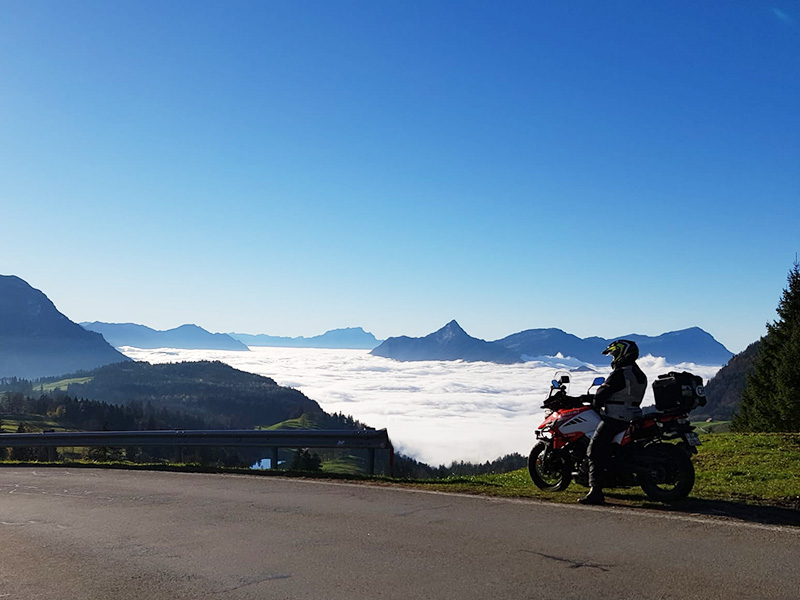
x,y
565,379
599,381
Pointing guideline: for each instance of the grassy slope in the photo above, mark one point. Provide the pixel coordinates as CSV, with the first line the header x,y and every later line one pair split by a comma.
x,y
61,384
333,461
10,422
756,469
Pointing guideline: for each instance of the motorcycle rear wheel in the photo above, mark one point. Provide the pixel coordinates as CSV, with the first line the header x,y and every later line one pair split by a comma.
x,y
670,476
550,471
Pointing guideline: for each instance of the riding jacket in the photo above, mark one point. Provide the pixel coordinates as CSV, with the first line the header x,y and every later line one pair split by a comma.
x,y
622,393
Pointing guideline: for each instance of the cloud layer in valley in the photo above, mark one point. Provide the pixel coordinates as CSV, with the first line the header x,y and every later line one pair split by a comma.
x,y
435,411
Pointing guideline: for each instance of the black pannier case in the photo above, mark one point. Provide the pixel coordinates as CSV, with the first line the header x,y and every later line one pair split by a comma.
x,y
679,392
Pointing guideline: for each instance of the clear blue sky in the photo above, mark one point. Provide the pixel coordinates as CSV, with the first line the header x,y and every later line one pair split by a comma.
x,y
291,167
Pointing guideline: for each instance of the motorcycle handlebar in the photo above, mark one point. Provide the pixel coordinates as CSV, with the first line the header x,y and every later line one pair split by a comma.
x,y
564,401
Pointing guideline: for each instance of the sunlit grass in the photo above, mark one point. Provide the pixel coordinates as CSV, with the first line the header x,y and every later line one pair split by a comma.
x,y
62,384
759,469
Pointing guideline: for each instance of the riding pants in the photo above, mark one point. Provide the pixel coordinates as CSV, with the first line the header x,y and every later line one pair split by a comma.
x,y
600,448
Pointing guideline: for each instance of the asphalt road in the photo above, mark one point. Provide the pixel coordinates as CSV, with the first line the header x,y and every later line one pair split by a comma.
x,y
92,534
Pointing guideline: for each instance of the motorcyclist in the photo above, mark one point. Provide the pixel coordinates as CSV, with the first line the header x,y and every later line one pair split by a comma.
x,y
617,400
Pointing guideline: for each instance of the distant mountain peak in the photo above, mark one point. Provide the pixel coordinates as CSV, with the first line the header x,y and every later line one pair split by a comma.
x,y
188,336
36,340
451,331
450,342
347,337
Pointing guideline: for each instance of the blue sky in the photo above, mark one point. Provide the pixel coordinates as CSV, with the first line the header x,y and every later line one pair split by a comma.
x,y
292,167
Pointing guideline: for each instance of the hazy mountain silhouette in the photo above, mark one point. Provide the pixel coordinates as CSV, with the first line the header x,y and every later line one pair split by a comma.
x,y
687,345
190,337
451,342
36,340
349,337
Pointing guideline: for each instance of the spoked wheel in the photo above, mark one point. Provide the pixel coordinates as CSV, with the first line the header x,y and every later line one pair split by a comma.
x,y
669,475
550,470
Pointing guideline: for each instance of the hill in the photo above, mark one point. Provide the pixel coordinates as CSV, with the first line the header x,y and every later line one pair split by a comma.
x,y
190,337
349,338
210,390
36,340
724,391
451,342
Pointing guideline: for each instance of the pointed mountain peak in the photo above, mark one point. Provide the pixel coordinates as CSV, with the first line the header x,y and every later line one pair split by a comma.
x,y
451,342
450,331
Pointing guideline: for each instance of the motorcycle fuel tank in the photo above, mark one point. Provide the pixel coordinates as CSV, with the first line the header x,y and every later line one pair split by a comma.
x,y
580,420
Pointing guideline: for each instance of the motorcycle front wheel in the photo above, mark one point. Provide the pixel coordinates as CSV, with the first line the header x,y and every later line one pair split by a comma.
x,y
550,471
669,475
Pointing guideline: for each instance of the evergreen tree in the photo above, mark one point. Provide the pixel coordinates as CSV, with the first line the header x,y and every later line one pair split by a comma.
x,y
22,454
305,461
771,399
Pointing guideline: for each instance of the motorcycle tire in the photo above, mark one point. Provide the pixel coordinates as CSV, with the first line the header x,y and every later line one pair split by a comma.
x,y
670,476
551,472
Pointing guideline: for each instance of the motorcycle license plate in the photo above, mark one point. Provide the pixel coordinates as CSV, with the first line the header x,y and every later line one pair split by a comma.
x,y
692,439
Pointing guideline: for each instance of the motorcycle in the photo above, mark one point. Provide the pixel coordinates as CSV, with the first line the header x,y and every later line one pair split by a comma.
x,y
644,455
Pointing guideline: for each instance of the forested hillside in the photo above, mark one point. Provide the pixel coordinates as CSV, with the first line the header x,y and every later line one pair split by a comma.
x,y
211,391
724,391
59,410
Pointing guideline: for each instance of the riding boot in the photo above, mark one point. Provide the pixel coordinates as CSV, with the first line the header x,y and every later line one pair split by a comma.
x,y
595,496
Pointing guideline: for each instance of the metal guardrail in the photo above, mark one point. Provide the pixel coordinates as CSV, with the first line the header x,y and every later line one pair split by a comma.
x,y
359,439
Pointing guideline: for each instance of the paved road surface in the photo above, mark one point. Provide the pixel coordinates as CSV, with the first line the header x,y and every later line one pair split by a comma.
x,y
95,534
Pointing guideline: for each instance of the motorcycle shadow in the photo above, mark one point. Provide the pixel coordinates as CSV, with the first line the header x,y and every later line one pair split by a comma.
x,y
766,515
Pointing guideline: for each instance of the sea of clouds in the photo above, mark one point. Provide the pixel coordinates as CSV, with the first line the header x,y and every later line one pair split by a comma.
x,y
435,411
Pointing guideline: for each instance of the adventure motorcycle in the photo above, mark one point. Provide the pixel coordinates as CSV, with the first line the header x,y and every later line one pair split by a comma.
x,y
643,455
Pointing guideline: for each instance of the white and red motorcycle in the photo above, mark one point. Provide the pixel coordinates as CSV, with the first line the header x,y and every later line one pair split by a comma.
x,y
645,455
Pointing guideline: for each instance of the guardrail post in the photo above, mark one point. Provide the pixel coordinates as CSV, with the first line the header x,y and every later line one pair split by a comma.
x,y
371,461
273,461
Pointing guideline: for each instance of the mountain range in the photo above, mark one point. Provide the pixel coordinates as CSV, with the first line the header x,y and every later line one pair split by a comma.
x,y
190,337
193,337
686,345
451,342
350,337
36,340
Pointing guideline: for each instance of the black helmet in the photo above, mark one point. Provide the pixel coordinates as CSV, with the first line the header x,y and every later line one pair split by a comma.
x,y
623,353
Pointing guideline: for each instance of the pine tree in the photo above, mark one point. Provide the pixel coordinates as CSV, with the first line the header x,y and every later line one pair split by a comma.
x,y
771,399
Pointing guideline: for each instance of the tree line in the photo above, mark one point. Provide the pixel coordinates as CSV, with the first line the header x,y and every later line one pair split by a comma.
x,y
770,401
409,468
33,414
